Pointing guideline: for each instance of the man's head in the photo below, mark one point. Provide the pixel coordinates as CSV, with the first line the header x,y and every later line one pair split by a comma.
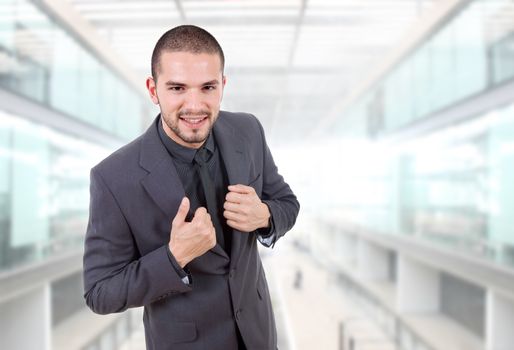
x,y
186,38
187,83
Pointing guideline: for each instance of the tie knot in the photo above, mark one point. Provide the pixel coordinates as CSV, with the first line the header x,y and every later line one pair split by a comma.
x,y
202,156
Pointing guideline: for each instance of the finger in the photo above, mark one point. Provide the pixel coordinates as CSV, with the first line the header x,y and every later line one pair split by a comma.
x,y
241,189
208,220
230,215
182,211
199,214
231,206
235,197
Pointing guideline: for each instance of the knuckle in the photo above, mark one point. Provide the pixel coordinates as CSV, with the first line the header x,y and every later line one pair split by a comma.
x,y
201,211
197,225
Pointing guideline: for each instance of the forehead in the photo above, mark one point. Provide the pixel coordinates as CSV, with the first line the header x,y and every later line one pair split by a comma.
x,y
187,62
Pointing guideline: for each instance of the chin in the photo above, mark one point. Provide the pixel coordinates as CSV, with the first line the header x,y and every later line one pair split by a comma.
x,y
195,137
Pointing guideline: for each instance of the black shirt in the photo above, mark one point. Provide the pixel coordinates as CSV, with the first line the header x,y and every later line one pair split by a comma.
x,y
183,160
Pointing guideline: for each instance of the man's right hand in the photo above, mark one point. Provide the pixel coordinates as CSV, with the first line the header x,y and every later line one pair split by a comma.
x,y
189,240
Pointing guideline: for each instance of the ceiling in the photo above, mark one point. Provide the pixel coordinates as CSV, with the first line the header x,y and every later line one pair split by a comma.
x,y
287,61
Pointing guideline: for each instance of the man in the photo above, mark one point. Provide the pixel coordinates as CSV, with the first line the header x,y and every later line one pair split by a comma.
x,y
175,215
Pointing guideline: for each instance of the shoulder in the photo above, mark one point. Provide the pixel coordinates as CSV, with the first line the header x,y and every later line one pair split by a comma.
x,y
241,122
122,160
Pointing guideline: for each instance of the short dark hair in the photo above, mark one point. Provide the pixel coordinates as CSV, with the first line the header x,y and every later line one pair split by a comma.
x,y
186,38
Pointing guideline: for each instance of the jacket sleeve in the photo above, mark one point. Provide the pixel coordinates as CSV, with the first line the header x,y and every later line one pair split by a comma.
x,y
116,277
277,195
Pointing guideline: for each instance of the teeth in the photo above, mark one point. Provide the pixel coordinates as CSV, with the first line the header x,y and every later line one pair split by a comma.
x,y
193,121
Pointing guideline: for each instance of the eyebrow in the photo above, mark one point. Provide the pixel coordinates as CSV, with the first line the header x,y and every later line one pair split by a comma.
x,y
175,83
212,82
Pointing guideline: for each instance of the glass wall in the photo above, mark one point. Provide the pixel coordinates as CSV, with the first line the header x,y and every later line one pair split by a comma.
x,y
44,174
41,60
44,191
469,54
451,187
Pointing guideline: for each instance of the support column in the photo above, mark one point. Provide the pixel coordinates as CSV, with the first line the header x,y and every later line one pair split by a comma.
x,y
499,321
418,286
25,322
372,261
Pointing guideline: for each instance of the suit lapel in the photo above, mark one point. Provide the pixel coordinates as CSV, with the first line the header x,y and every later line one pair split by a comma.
x,y
162,183
233,153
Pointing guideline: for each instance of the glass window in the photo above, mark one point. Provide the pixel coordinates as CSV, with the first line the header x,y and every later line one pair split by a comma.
x,y
44,190
443,67
64,82
499,36
470,52
398,97
7,9
29,200
110,89
89,82
45,62
5,191
32,46
422,92
500,147
124,114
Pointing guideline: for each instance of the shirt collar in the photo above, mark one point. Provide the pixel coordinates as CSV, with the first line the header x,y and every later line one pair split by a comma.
x,y
178,151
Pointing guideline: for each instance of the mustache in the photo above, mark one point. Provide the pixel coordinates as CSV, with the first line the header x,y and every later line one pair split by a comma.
x,y
190,113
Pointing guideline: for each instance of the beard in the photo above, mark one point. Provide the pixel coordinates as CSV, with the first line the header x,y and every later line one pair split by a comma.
x,y
189,135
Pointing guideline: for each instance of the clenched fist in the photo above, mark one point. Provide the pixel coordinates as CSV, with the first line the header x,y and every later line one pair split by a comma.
x,y
244,210
189,240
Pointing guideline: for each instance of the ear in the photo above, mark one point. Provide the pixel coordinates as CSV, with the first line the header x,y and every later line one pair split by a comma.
x,y
223,83
152,90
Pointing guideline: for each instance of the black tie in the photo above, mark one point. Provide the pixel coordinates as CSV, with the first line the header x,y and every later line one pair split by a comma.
x,y
201,158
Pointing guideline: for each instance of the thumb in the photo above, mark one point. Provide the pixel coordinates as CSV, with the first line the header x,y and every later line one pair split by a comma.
x,y
182,211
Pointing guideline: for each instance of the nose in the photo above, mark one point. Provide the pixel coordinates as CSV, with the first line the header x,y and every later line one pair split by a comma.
x,y
193,100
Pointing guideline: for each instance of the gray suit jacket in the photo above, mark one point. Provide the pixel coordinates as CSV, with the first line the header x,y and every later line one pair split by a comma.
x,y
135,193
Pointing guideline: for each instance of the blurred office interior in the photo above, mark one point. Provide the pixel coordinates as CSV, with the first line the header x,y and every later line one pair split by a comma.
x,y
392,120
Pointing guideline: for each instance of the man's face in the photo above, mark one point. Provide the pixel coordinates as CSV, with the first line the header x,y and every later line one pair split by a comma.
x,y
188,90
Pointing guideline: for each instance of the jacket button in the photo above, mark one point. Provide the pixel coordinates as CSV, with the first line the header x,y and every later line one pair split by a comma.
x,y
238,314
231,274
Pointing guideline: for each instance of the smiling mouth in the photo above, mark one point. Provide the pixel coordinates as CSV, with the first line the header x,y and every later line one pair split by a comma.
x,y
193,122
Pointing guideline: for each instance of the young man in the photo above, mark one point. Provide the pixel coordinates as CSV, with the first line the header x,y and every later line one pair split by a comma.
x,y
176,214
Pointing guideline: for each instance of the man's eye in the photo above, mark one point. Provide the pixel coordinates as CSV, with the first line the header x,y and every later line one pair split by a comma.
x,y
209,87
175,88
